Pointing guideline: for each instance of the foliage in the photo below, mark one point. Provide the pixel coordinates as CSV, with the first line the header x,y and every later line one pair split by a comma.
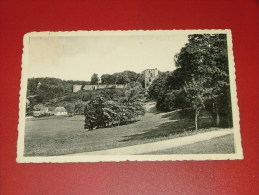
x,y
196,95
201,80
169,101
49,90
95,79
205,57
141,79
124,77
38,107
159,86
107,79
167,90
56,92
101,111
53,91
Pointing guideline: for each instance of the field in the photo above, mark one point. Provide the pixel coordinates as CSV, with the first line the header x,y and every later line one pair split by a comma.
x,y
66,135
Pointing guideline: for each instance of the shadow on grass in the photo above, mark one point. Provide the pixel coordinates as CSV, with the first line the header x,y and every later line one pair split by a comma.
x,y
173,115
175,126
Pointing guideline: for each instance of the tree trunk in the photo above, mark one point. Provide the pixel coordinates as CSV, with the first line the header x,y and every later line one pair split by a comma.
x,y
196,119
217,119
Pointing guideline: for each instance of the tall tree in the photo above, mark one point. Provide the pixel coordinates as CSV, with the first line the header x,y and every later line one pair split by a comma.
x,y
107,79
205,56
94,79
196,95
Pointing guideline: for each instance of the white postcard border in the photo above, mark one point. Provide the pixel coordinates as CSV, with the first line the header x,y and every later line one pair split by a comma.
x,y
117,158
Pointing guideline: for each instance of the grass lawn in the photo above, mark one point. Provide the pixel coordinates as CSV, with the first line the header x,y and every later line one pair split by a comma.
x,y
219,145
66,135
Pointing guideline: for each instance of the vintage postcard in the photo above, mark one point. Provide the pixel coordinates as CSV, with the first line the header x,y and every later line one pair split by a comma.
x,y
159,95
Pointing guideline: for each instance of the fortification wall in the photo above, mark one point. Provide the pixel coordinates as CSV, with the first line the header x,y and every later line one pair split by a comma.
x,y
77,88
89,87
120,86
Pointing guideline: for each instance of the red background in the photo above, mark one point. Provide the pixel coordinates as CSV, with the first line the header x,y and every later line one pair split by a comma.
x,y
188,177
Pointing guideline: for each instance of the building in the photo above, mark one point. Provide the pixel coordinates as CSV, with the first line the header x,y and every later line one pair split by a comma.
x,y
150,75
41,112
60,111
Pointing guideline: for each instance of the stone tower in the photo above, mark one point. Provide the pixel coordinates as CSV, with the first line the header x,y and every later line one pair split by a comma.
x,y
150,75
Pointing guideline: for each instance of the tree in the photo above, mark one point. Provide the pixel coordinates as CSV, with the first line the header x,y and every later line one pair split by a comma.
x,y
159,86
134,96
205,56
105,111
94,79
196,95
79,107
120,77
202,60
141,79
133,92
107,79
166,89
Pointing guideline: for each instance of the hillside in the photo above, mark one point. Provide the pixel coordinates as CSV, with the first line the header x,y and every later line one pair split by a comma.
x,y
53,92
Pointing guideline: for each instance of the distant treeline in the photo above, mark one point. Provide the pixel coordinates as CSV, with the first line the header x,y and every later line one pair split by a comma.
x,y
122,78
52,83
54,92
50,88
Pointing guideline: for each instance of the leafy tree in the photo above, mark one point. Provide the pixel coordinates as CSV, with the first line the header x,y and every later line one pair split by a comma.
x,y
196,95
166,89
125,77
107,79
120,77
159,86
134,96
105,111
133,93
169,101
202,60
79,107
70,107
141,79
205,56
49,89
94,79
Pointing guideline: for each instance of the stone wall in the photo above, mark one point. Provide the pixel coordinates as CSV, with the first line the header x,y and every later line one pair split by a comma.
x,y
77,88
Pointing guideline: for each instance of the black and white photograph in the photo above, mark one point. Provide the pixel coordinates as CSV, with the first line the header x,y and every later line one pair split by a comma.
x,y
93,96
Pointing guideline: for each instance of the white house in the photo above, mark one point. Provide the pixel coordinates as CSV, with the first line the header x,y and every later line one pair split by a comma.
x,y
60,111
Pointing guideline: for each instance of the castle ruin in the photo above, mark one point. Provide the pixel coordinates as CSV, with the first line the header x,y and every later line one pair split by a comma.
x,y
150,75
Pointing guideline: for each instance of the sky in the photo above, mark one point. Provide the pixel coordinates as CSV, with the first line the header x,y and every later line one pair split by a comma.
x,y
78,57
